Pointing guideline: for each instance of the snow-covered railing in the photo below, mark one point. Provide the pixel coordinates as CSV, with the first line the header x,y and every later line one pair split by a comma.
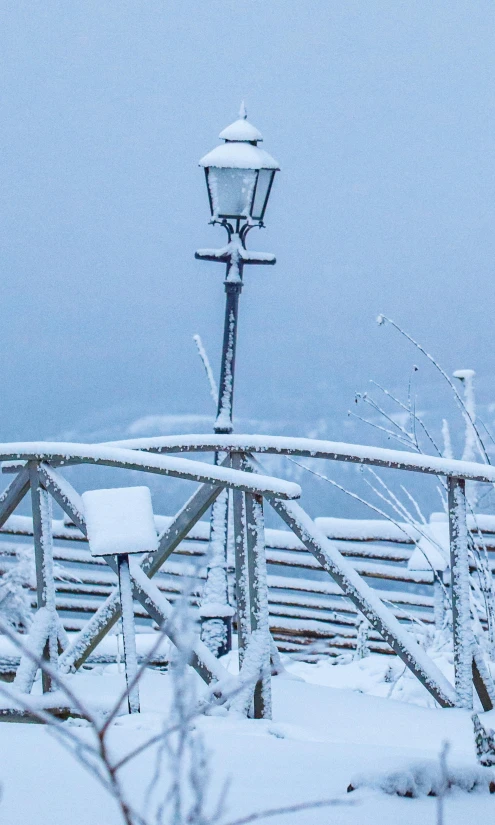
x,y
61,454
314,448
47,634
267,444
35,467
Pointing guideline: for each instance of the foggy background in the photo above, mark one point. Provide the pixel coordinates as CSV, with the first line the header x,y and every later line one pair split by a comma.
x,y
382,118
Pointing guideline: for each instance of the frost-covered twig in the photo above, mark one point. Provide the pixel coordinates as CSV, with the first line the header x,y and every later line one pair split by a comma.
x,y
392,500
458,399
376,509
444,782
206,364
50,671
372,403
410,438
414,418
414,504
400,439
288,809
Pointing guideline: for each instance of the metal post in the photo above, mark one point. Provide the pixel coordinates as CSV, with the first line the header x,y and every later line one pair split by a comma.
x,y
43,553
235,256
217,631
461,603
233,290
128,631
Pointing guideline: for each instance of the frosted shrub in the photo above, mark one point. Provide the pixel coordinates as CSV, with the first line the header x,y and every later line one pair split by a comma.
x,y
15,597
426,778
362,649
485,743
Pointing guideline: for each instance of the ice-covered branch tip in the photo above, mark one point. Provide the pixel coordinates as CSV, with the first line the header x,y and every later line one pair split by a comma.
x,y
463,374
206,364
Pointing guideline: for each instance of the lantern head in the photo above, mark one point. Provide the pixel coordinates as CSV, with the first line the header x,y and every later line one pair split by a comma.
x,y
239,175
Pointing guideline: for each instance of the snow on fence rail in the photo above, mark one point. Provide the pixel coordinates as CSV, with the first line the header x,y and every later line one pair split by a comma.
x,y
313,448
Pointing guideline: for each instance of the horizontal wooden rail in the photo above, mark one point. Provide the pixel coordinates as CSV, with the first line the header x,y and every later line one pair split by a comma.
x,y
111,454
313,448
65,453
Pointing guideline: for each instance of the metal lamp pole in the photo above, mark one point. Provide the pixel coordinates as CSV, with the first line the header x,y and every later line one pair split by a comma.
x,y
243,189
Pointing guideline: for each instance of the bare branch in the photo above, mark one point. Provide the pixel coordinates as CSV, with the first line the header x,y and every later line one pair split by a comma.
x,y
289,809
206,364
459,401
414,503
390,433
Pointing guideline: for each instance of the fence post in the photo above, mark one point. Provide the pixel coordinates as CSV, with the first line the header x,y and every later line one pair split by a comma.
x,y
43,554
461,602
216,630
128,632
258,602
241,574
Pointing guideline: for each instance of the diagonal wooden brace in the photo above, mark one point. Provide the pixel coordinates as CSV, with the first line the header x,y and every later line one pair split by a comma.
x,y
157,606
366,600
13,494
482,680
43,553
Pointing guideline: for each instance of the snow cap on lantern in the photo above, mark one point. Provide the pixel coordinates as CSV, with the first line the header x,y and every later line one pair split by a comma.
x,y
239,175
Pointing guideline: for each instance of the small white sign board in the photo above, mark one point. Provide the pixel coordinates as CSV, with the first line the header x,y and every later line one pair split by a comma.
x,y
120,520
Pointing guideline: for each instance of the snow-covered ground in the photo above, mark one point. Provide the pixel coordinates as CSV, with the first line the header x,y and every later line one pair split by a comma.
x,y
328,728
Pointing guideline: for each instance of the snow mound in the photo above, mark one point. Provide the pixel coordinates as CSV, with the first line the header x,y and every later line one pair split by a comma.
x,y
425,778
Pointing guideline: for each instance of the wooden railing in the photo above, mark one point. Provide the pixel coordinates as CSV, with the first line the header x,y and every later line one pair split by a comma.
x,y
307,612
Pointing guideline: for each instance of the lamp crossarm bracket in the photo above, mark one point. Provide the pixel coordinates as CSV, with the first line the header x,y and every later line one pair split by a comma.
x,y
225,256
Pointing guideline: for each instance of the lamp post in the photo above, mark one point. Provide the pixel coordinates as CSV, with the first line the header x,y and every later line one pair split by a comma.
x,y
239,178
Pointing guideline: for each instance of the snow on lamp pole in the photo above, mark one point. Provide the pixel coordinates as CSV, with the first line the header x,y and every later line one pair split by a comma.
x,y
239,178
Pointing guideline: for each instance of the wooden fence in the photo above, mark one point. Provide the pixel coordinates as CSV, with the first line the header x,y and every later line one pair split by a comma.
x,y
309,614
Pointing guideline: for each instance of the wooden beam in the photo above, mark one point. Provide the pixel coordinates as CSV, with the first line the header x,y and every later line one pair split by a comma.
x,y
313,448
43,554
13,494
367,601
461,592
156,605
102,455
258,603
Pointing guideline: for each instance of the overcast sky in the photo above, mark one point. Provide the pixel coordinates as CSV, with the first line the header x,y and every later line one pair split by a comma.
x,y
381,115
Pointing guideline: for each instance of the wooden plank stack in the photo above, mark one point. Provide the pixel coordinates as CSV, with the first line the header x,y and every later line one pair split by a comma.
x,y
309,616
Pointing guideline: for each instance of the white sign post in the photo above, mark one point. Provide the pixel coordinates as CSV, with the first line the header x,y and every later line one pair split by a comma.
x,y
119,523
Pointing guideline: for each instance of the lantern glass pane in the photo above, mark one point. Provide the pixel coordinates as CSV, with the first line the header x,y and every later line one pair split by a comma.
x,y
261,195
231,191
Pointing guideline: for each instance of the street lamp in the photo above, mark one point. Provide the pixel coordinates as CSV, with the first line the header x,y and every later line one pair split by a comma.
x,y
239,175
239,178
